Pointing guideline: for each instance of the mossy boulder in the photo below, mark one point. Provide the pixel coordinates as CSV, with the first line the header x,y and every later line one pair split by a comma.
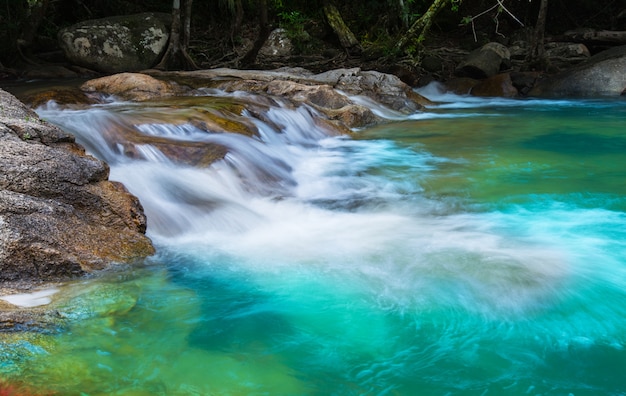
x,y
116,44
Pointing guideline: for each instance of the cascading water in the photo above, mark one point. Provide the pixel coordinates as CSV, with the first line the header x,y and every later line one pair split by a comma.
x,y
476,248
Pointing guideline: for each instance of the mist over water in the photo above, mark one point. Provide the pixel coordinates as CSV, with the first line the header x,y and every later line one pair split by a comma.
x,y
476,248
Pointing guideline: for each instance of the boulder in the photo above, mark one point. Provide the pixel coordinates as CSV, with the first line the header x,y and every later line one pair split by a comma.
x,y
485,61
601,75
60,216
131,86
116,44
278,44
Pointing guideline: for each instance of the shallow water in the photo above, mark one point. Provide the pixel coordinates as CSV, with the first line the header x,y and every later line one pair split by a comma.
x,y
475,248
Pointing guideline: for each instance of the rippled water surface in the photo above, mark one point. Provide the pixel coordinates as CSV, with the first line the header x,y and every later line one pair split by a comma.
x,y
477,248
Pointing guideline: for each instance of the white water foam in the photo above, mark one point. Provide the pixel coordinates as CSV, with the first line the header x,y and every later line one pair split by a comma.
x,y
294,199
33,299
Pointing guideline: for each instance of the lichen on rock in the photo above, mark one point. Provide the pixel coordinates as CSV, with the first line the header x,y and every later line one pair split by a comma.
x,y
115,44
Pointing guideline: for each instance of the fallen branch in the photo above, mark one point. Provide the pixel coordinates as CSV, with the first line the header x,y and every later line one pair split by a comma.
x,y
595,36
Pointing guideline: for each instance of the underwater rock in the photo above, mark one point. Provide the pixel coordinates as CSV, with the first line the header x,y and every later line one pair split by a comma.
x,y
99,300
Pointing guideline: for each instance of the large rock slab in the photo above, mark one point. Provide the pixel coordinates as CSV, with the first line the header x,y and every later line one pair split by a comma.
x,y
601,75
385,89
117,44
60,217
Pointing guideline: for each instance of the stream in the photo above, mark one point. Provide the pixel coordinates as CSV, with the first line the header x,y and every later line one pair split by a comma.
x,y
475,248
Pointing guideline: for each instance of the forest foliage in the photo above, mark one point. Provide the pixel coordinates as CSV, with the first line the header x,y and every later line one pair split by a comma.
x,y
218,25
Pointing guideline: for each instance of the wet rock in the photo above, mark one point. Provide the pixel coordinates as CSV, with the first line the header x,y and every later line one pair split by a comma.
x,y
485,61
352,116
131,86
127,138
601,75
499,85
319,95
116,44
60,217
328,101
383,88
61,96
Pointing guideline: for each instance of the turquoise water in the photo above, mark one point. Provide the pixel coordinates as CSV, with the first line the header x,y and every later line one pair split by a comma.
x,y
477,248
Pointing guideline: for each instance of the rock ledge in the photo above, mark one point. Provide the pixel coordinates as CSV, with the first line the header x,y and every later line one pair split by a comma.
x,y
60,216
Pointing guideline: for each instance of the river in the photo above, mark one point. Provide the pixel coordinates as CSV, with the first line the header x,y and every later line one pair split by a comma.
x,y
475,248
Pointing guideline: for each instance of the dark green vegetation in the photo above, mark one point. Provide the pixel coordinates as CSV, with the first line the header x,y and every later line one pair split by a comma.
x,y
385,29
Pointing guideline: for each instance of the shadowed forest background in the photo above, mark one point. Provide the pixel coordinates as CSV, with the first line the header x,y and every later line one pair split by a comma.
x,y
222,33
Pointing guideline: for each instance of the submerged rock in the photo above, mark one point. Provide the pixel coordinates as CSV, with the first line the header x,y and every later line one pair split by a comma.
x,y
60,217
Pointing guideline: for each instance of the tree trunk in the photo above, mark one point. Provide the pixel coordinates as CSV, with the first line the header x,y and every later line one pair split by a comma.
x,y
404,15
536,55
421,26
236,30
343,32
186,17
608,37
264,32
176,56
36,12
